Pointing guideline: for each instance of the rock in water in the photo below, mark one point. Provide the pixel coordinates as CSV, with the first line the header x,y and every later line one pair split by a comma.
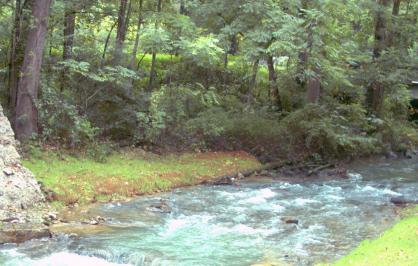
x,y
18,186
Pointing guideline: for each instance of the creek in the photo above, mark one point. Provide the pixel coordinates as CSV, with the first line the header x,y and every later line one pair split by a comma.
x,y
257,220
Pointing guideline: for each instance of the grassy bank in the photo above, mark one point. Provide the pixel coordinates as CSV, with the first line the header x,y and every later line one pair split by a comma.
x,y
130,173
397,246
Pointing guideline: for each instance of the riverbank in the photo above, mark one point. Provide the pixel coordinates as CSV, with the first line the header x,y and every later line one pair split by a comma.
x,y
79,180
396,246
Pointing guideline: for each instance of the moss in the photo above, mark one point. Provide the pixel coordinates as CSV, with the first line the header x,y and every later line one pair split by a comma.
x,y
126,174
396,246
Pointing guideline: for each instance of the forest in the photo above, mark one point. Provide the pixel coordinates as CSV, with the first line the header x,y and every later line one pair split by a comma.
x,y
139,99
296,79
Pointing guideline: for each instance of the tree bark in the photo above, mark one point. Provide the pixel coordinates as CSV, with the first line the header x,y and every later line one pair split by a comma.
x,y
183,10
376,91
26,123
274,88
121,30
314,87
392,35
107,42
69,29
136,45
233,49
380,32
154,54
303,53
17,50
253,81
396,6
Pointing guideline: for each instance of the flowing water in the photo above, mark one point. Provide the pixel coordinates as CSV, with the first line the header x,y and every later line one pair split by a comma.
x,y
237,225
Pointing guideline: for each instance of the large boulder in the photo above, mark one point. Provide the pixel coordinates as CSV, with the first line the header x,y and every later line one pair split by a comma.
x,y
18,187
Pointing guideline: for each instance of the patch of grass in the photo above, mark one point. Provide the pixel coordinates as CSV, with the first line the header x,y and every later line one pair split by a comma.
x,y
397,246
126,174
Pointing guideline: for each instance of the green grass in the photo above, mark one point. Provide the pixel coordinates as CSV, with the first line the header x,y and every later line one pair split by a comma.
x,y
397,246
126,174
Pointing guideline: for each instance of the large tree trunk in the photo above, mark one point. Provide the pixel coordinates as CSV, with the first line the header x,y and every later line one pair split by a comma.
x,y
154,54
26,123
17,50
274,88
121,30
69,29
136,45
376,91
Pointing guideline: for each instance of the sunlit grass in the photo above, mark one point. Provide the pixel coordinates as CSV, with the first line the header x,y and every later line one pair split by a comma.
x,y
397,246
82,180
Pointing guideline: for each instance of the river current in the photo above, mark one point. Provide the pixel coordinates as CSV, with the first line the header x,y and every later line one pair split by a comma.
x,y
255,221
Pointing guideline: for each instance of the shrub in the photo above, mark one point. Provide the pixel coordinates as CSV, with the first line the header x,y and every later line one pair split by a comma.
x,y
60,121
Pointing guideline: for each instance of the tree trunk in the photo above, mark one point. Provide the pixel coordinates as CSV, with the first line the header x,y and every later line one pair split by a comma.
x,y
376,91
314,87
154,54
183,10
396,6
233,49
392,35
253,81
107,42
17,50
121,30
226,60
69,28
303,53
274,88
380,32
136,45
26,123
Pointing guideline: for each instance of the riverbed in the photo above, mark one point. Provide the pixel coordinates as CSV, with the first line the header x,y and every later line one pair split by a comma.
x,y
258,220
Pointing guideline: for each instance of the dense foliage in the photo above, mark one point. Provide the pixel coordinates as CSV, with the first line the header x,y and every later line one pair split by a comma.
x,y
280,78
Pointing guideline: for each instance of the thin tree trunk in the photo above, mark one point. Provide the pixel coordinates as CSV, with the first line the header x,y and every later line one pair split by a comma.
x,y
392,35
303,53
396,6
233,49
274,88
376,91
136,45
154,54
314,87
26,123
69,29
253,81
226,60
107,42
183,10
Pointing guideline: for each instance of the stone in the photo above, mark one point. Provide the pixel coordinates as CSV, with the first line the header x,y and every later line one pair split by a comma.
x,y
391,155
292,221
20,194
19,233
403,201
17,184
8,172
52,216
